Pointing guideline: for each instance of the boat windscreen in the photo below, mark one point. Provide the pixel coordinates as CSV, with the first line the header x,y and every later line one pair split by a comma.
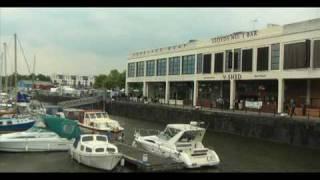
x,y
99,115
168,133
189,136
101,138
87,138
92,116
106,115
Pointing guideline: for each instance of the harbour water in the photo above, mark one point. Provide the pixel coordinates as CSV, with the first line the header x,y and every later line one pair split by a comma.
x,y
237,154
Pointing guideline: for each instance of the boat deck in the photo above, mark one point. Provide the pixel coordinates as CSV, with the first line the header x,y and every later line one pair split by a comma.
x,y
133,156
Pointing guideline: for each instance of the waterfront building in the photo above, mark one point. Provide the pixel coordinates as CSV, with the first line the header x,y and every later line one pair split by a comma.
x,y
76,81
27,85
261,69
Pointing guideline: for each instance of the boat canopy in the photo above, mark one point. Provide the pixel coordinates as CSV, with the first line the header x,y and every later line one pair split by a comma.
x,y
65,128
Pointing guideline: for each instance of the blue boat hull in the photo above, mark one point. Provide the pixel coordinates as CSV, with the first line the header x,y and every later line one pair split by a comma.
x,y
16,127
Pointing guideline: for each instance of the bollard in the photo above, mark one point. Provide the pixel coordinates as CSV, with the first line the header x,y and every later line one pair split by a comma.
x,y
122,162
145,157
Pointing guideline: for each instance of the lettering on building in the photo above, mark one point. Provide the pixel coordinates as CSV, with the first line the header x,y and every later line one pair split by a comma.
x,y
260,75
234,36
232,76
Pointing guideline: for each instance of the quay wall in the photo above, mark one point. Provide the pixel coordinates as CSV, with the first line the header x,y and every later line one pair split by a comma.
x,y
53,99
298,132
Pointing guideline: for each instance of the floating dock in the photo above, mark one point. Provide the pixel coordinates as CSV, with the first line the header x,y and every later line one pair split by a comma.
x,y
134,156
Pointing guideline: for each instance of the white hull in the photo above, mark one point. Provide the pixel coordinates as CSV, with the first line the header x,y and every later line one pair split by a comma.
x,y
190,162
105,162
44,145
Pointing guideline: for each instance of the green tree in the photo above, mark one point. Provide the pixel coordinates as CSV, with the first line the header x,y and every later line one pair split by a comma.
x,y
113,80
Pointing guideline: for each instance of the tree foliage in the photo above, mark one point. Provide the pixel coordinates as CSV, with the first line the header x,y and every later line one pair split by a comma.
x,y
114,80
38,77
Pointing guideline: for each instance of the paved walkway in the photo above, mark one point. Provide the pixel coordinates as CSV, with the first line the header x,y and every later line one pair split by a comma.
x,y
241,112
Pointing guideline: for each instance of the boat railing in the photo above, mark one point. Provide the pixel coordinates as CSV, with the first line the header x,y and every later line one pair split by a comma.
x,y
147,132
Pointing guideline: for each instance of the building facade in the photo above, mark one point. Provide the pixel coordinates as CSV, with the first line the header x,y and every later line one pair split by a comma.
x,y
76,81
262,69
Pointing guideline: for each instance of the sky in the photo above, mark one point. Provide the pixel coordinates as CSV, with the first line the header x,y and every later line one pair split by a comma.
x,y
93,41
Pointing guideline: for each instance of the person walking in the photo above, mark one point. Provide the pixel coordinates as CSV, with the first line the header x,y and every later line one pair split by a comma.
x,y
292,107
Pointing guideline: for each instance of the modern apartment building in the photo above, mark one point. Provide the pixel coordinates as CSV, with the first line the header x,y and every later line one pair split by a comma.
x,y
261,69
76,81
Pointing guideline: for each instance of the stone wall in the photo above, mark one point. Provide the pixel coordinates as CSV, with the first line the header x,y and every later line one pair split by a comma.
x,y
298,132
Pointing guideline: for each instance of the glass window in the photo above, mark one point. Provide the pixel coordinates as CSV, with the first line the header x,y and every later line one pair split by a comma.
x,y
174,65
228,61
316,54
188,64
88,149
236,60
140,69
247,60
100,150
9,122
101,138
99,115
111,150
275,56
207,63
131,69
106,115
168,133
82,148
199,63
218,62
92,116
161,67
150,68
87,138
189,136
297,55
86,116
263,59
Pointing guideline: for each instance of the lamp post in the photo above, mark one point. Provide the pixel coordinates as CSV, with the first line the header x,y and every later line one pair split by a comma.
x,y
104,96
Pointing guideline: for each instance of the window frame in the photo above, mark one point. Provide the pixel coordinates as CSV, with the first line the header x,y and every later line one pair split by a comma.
x,y
268,58
188,64
296,42
252,59
222,61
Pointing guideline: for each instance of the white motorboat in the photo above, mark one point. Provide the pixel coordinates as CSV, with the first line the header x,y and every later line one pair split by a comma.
x,y
33,140
95,151
182,142
93,121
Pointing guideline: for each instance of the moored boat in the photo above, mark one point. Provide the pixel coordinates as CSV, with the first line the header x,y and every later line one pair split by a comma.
x,y
15,124
95,151
33,140
94,121
182,142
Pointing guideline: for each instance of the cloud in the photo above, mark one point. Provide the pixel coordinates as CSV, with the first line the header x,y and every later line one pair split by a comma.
x,y
96,40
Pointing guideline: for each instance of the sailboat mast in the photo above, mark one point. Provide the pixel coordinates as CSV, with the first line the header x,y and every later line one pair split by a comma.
x,y
34,68
15,63
5,67
1,69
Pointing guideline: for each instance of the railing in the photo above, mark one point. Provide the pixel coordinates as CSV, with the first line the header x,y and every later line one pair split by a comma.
x,y
147,132
82,101
267,109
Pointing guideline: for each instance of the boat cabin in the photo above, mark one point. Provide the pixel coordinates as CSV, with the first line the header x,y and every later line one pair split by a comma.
x,y
85,115
94,144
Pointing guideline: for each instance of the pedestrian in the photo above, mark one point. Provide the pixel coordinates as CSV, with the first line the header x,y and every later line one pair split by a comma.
x,y
292,106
